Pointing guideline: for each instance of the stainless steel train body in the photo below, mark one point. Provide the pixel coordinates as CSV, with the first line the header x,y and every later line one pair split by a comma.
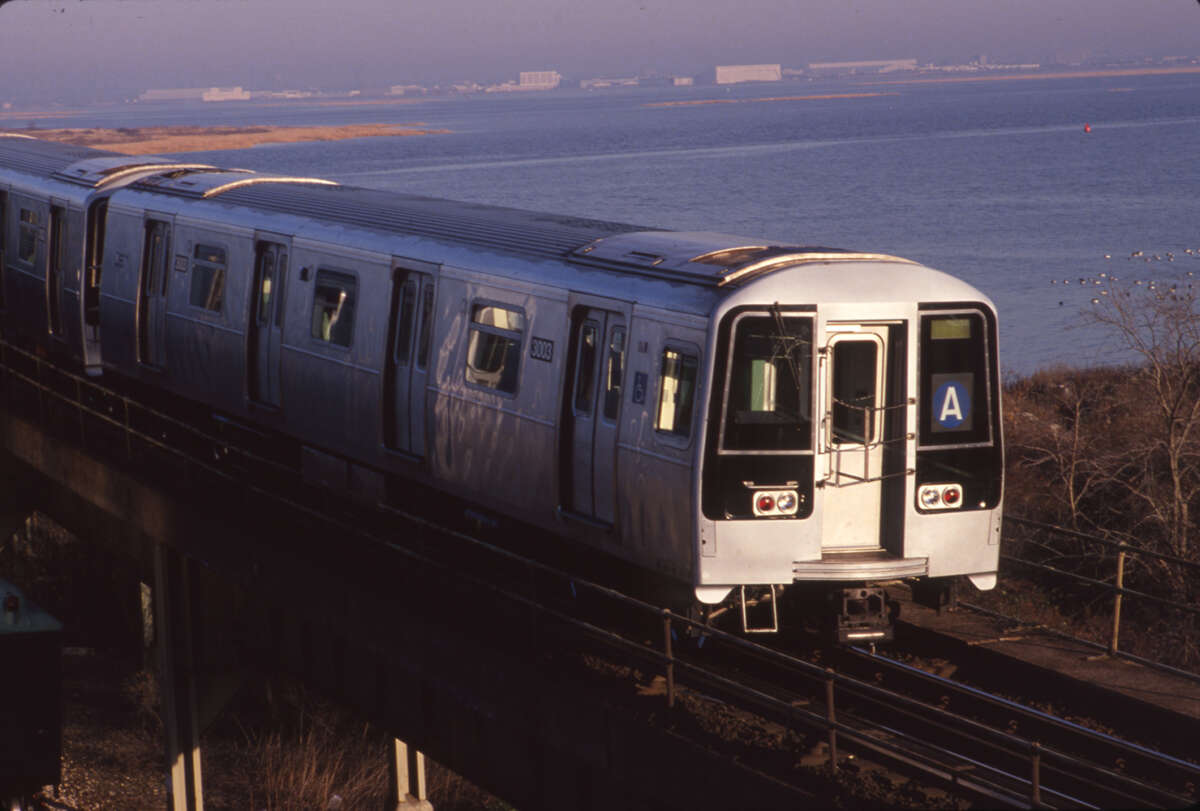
x,y
724,412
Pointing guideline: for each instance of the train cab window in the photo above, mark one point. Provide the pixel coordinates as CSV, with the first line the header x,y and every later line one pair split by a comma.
x,y
676,393
614,372
333,307
955,393
768,396
27,242
208,278
494,349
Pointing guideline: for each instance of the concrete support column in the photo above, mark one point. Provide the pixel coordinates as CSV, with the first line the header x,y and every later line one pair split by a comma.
x,y
177,688
408,778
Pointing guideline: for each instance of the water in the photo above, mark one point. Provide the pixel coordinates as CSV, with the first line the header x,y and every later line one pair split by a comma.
x,y
996,182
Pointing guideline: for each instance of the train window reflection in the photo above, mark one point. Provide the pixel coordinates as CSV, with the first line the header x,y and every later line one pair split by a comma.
x,y
494,348
676,393
614,373
333,307
585,370
769,398
27,242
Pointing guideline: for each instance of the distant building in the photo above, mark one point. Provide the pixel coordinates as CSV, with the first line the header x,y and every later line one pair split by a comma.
x,y
871,66
735,74
225,94
539,79
406,90
683,81
173,94
592,84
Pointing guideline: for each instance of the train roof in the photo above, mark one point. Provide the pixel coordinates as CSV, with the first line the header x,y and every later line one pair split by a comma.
x,y
81,165
703,258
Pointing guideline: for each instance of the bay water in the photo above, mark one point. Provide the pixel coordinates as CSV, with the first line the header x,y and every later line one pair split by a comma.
x,y
1021,187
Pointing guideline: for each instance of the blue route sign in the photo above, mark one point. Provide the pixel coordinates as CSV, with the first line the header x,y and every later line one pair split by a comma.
x,y
951,406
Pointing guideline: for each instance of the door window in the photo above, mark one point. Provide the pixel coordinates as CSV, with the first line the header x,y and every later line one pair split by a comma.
x,y
855,382
614,374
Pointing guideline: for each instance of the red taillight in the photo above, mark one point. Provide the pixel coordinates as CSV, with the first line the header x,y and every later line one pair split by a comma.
x,y
951,496
765,503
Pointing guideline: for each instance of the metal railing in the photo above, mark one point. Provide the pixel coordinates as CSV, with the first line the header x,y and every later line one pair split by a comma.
x,y
999,778
1116,587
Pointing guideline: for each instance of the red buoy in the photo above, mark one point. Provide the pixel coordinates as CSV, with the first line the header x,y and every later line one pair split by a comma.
x,y
1087,127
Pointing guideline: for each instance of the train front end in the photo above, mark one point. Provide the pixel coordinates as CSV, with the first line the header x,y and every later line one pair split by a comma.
x,y
853,440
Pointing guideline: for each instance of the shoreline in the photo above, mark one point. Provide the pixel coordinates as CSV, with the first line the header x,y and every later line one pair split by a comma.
x,y
174,139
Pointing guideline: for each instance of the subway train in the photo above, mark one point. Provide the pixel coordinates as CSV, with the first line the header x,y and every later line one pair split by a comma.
x,y
742,418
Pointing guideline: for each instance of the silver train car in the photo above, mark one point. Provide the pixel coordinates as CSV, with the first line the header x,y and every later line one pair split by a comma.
x,y
736,416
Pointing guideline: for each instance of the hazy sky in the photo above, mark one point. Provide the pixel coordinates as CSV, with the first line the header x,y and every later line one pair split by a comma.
x,y
60,44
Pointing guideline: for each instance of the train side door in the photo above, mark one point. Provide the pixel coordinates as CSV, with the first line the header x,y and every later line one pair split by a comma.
x,y
266,322
152,293
852,442
410,336
592,407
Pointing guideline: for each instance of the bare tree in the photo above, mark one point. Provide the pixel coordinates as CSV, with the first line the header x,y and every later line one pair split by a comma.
x,y
1161,468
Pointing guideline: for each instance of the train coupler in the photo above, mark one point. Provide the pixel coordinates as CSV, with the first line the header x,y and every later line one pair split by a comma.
x,y
866,615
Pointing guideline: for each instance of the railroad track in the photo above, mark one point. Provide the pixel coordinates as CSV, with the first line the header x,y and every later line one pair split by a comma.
x,y
908,721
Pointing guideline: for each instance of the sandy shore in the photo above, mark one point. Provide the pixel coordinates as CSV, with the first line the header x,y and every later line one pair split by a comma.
x,y
152,140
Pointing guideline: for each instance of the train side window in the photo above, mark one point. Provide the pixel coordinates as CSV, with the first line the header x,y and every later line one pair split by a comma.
x,y
426,328
208,278
27,243
404,330
585,370
494,349
614,374
676,393
333,307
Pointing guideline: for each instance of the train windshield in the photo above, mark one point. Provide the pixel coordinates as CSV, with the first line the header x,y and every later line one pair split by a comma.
x,y
768,405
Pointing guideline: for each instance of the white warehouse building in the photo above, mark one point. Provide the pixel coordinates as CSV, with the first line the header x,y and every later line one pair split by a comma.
x,y
733,74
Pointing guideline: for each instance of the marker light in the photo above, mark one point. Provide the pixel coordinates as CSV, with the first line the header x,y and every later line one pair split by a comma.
x,y
774,503
940,496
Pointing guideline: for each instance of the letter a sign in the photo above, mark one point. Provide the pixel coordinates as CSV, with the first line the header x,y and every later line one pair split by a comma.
x,y
951,406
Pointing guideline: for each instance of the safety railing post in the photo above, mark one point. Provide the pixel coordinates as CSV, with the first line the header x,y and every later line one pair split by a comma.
x,y
1035,774
667,649
1116,627
831,717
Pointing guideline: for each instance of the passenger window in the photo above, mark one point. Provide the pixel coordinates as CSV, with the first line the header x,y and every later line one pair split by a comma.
x,y
585,370
494,349
27,246
614,373
676,391
333,307
208,278
404,330
426,328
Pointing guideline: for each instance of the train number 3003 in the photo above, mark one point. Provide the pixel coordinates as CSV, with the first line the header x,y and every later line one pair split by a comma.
x,y
541,349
